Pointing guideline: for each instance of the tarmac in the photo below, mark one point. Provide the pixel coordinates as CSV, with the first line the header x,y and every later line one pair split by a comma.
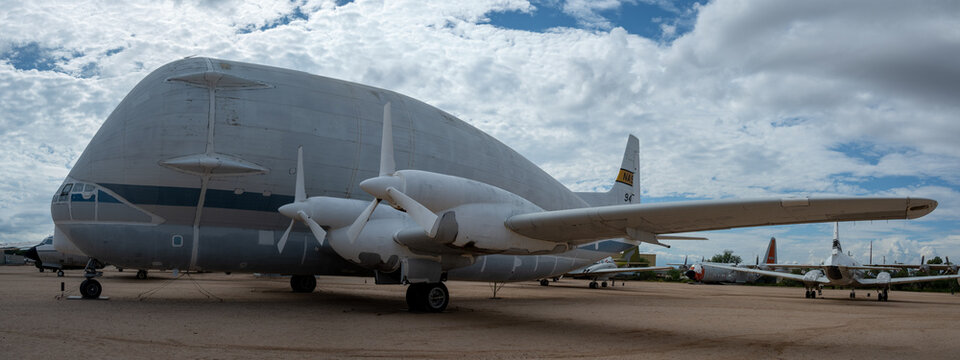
x,y
219,316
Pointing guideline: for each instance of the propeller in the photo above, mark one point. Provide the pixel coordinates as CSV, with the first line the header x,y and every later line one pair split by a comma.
x,y
295,211
385,187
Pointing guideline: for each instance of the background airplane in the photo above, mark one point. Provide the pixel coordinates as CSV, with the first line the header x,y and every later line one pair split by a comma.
x,y
841,270
206,165
45,256
604,269
699,272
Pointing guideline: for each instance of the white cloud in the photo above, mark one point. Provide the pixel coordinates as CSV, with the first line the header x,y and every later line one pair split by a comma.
x,y
752,102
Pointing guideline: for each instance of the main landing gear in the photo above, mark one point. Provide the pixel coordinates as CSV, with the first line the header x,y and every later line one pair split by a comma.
x,y
91,288
427,297
303,283
882,295
811,294
141,274
544,282
594,284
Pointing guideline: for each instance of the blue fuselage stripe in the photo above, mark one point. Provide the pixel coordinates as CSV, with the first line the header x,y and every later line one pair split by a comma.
x,y
179,196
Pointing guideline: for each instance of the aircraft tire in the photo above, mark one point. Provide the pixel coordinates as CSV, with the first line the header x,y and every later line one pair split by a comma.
x,y
41,268
413,297
90,289
303,283
593,284
603,284
428,297
544,282
59,273
142,274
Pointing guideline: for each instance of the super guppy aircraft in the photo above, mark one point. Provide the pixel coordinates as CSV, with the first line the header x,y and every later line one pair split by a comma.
x,y
225,166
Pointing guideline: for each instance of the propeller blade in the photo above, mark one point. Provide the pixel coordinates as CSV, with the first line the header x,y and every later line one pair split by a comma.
x,y
429,221
387,165
283,239
354,231
301,192
315,228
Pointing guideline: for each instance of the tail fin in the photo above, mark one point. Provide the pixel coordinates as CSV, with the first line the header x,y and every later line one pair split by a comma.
x,y
771,252
631,257
626,188
836,237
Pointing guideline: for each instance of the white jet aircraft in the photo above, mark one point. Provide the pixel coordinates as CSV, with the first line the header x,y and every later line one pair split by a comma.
x,y
195,166
604,269
841,270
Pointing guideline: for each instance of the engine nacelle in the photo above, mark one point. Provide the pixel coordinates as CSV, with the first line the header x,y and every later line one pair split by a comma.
x,y
812,276
481,210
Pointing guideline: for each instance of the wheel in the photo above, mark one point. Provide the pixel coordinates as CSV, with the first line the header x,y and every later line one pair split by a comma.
x,y
414,294
813,294
141,274
90,289
593,284
41,268
428,297
544,282
303,283
603,284
807,294
438,297
853,295
59,273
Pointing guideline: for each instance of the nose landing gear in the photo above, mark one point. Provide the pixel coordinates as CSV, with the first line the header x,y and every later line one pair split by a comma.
x,y
91,288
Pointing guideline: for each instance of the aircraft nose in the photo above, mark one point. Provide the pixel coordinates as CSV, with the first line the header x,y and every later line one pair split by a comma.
x,y
691,274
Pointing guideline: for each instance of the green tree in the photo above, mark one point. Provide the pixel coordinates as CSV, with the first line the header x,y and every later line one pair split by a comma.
x,y
726,257
935,260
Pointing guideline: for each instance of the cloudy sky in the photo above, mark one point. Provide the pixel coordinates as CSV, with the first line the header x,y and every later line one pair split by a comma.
x,y
729,99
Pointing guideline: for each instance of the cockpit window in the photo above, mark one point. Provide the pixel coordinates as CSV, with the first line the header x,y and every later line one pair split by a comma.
x,y
78,187
65,192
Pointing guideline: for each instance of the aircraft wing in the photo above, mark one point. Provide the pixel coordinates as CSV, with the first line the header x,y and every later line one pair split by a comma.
x,y
644,221
792,266
797,277
906,280
620,270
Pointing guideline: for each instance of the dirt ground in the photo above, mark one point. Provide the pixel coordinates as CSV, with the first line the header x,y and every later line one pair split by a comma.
x,y
218,316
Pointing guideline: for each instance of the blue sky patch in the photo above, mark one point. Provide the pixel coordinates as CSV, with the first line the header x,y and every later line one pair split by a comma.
x,y
864,151
297,14
641,18
31,56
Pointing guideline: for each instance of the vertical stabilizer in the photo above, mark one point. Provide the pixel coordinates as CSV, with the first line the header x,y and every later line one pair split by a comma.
x,y
836,237
771,252
626,187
